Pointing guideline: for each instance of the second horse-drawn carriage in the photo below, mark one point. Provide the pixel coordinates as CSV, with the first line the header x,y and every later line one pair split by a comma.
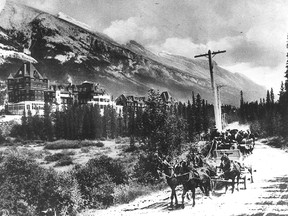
x,y
234,145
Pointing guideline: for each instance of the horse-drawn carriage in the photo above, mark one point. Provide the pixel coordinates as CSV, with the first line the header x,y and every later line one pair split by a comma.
x,y
224,163
236,157
236,145
234,139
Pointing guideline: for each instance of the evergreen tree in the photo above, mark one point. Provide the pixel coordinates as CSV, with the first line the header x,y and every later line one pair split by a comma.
x,y
198,115
87,127
30,132
242,108
205,116
154,118
24,126
37,127
125,121
131,125
190,121
97,122
48,128
272,96
180,109
59,125
106,120
139,124
113,122
120,125
268,98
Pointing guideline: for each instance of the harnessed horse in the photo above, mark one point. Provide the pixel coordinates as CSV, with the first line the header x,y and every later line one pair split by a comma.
x,y
171,178
231,170
193,178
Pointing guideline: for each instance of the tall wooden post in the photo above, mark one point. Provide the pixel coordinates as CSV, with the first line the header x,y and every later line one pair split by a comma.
x,y
217,102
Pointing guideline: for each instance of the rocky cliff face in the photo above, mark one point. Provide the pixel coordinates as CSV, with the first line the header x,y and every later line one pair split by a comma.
x,y
64,49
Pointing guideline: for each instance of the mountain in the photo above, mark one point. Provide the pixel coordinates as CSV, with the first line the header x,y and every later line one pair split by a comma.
x,y
62,48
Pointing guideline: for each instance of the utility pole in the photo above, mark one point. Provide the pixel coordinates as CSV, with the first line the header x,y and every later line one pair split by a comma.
x,y
210,55
218,87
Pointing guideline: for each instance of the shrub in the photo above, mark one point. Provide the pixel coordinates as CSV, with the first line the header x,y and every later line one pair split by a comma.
x,y
122,140
97,180
85,149
54,157
99,144
38,141
87,143
70,192
64,161
90,179
102,196
131,148
118,140
145,170
63,144
63,158
17,131
28,189
71,144
14,169
277,142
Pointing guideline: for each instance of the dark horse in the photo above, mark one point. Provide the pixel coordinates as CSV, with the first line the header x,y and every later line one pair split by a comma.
x,y
192,178
231,170
172,180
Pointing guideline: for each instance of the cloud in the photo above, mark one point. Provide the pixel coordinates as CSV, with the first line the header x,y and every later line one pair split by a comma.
x,y
186,47
179,46
226,43
265,76
131,29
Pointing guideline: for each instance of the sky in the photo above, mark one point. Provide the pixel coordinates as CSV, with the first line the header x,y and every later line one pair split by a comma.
x,y
253,32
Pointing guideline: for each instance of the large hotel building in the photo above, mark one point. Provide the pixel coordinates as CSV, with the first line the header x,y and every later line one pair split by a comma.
x,y
28,90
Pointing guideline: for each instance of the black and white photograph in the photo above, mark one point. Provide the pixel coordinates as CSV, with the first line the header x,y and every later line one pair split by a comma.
x,y
143,107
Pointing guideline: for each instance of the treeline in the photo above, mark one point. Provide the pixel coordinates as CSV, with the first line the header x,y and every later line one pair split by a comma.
x,y
267,117
85,121
74,123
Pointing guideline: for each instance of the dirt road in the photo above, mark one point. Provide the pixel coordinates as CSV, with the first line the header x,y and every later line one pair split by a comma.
x,y
268,195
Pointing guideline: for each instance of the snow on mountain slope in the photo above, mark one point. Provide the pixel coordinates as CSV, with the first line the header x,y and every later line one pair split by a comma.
x,y
73,21
4,54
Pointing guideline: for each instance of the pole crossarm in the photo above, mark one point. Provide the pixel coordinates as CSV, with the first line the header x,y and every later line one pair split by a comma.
x,y
203,55
207,54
